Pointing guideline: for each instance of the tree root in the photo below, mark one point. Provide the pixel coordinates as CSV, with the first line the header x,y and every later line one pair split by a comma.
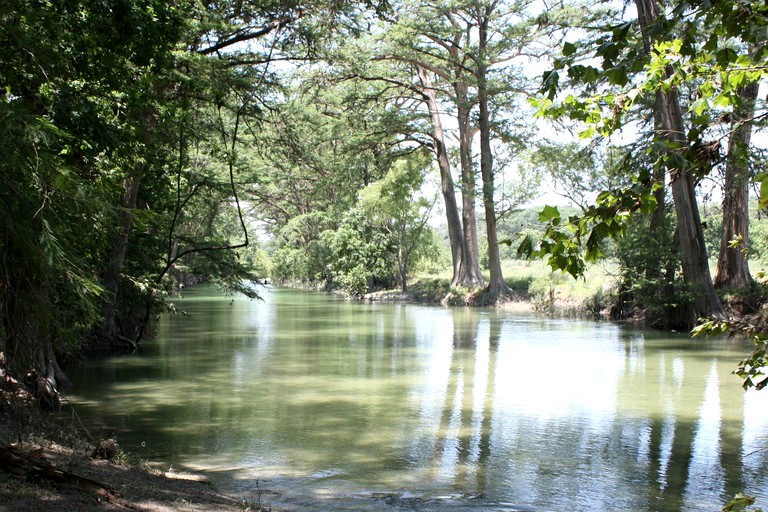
x,y
131,345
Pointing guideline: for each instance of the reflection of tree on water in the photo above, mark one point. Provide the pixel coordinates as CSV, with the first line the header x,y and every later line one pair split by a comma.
x,y
656,416
559,415
754,451
463,444
694,458
733,439
706,474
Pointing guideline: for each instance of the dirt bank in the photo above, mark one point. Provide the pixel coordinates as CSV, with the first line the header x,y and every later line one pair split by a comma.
x,y
47,466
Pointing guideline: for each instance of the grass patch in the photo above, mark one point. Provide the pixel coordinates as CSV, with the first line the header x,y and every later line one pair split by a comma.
x,y
430,289
559,294
550,292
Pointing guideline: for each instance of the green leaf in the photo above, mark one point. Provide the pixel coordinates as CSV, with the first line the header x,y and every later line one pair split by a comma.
x,y
550,213
726,56
676,161
549,83
711,44
525,249
617,75
585,74
602,230
620,31
736,79
722,100
762,179
593,245
587,133
610,52
569,49
698,106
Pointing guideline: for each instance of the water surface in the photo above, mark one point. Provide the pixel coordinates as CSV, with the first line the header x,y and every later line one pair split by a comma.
x,y
317,403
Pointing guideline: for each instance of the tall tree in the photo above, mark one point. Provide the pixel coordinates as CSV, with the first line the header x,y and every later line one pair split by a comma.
x,y
473,54
101,103
496,286
460,254
434,40
329,139
682,55
506,36
695,261
732,264
221,71
70,71
395,205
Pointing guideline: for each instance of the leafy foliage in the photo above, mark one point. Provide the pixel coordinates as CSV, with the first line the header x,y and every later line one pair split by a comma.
x,y
64,118
569,243
713,61
740,503
359,254
124,127
301,254
751,368
650,272
394,205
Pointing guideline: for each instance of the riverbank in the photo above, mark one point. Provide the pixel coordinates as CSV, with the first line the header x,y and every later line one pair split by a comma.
x,y
133,488
529,293
45,466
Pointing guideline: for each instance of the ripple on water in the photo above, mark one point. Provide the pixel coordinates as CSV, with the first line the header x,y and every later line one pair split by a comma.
x,y
454,503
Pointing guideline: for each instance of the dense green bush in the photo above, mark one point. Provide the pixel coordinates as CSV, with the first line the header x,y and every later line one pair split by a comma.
x,y
432,255
651,279
360,255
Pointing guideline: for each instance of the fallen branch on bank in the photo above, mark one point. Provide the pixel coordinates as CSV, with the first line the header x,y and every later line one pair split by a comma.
x,y
22,464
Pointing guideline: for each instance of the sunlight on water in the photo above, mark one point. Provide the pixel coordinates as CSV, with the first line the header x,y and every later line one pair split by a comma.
x,y
316,403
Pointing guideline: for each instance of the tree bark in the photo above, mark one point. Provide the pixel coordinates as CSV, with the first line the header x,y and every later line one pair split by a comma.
x,y
112,337
693,252
732,264
468,209
111,278
402,265
455,235
497,287
28,344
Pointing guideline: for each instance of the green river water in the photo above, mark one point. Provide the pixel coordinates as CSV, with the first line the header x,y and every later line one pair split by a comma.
x,y
313,402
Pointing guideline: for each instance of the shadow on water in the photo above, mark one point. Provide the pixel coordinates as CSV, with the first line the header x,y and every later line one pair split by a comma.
x,y
312,402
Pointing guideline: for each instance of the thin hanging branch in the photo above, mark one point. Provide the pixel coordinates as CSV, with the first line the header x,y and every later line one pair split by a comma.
x,y
171,259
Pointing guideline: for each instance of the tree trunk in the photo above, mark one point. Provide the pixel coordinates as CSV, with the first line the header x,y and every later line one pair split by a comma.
x,y
469,217
111,279
455,235
497,287
29,284
402,264
692,246
27,342
693,249
112,337
732,265
659,172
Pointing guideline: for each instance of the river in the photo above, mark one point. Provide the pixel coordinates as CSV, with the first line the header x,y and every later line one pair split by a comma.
x,y
308,401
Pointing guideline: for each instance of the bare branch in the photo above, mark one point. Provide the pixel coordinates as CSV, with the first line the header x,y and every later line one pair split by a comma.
x,y
254,34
